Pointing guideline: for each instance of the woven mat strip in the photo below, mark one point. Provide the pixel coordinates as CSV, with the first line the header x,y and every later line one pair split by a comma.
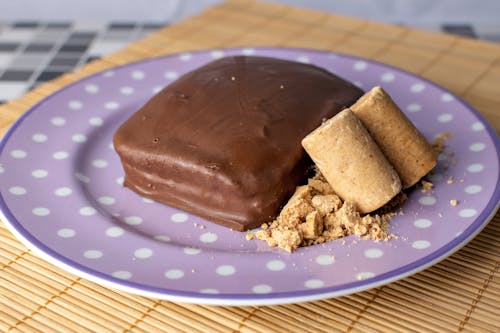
x,y
460,294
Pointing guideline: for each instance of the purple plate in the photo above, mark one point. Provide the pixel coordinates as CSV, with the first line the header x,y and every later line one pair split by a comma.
x,y
61,195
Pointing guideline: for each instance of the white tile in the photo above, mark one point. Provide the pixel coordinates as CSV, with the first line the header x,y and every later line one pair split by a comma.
x,y
12,90
89,25
11,35
5,59
100,48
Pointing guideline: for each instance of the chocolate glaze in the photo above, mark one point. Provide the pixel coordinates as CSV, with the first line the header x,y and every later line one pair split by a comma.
x,y
223,141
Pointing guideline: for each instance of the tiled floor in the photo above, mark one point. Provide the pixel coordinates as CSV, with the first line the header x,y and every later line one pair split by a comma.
x,y
35,52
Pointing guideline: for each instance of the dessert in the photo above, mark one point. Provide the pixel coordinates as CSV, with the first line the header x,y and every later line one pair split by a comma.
x,y
224,141
352,163
404,146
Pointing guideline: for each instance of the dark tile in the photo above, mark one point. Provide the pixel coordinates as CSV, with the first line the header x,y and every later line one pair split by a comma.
x,y
59,25
39,47
48,75
154,26
2,102
26,24
464,30
122,26
73,48
9,47
16,75
64,61
82,35
92,58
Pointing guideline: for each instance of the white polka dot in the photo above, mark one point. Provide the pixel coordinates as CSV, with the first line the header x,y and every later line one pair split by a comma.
x,y
468,212
39,173
314,283
475,168
75,105
442,157
60,155
120,180
63,191
96,121
162,238
81,177
427,201
303,59
225,270
146,200
325,259
364,275
79,138
100,163
91,88
387,77
17,190
109,73
157,89
123,275
414,107
143,253
66,233
275,265
138,75
208,237
477,147
422,223
373,253
133,220
473,189
171,75
58,121
417,87
360,66
111,105
477,126
185,56
92,254
114,232
217,54
179,217
111,146
39,137
358,84
87,211
209,291
446,97
106,200
420,244
248,51
18,153
445,118
262,289
127,90
2,169
174,274
40,211
191,250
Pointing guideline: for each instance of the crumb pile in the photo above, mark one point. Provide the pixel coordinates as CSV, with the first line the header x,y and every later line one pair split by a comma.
x,y
314,215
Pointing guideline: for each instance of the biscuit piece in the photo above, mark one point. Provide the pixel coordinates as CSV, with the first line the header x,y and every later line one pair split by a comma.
x,y
352,163
404,146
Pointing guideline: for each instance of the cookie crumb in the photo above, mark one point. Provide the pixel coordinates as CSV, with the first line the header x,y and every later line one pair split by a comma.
x,y
438,142
315,215
426,186
454,202
451,180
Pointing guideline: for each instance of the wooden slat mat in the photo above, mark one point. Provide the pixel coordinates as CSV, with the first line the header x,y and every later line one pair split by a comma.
x,y
461,293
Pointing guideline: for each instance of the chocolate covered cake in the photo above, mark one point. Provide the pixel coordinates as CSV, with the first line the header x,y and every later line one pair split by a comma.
x,y
224,141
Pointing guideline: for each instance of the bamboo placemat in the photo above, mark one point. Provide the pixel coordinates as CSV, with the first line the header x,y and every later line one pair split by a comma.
x,y
461,293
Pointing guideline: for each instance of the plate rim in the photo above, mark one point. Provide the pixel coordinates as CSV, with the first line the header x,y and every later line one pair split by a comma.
x,y
59,260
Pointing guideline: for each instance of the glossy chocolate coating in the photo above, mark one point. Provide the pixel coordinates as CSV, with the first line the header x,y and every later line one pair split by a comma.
x,y
223,141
